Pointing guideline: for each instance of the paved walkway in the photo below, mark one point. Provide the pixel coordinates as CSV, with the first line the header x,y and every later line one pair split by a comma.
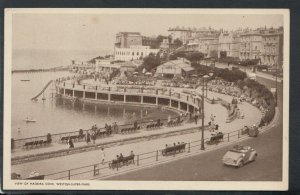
x,y
245,69
252,115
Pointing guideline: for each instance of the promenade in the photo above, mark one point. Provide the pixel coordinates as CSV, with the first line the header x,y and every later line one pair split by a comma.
x,y
252,116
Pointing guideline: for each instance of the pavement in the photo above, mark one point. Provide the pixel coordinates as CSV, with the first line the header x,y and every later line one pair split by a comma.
x,y
208,166
252,115
245,69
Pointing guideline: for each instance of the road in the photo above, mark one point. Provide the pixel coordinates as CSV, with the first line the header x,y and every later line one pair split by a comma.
x,y
209,167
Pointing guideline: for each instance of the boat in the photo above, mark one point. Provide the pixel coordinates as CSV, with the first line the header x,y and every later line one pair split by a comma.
x,y
27,120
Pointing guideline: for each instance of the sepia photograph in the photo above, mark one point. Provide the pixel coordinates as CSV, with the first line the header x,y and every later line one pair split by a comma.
x,y
146,99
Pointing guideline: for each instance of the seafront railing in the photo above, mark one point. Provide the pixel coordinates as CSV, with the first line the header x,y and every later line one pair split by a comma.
x,y
108,169
56,138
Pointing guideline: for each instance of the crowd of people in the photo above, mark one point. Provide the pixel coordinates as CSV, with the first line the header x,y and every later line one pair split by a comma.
x,y
230,88
180,84
127,82
224,87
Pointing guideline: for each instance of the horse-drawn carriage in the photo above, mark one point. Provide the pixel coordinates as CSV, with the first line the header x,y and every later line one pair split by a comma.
x,y
215,138
117,163
173,149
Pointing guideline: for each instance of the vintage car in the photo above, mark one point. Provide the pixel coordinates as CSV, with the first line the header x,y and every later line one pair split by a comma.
x,y
239,155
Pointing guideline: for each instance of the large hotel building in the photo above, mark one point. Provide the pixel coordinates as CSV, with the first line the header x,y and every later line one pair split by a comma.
x,y
132,46
263,44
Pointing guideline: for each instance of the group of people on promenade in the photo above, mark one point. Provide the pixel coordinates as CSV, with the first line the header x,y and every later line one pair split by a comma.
x,y
174,144
120,156
212,124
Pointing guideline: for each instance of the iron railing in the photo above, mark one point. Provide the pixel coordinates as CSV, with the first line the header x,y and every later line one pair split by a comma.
x,y
99,170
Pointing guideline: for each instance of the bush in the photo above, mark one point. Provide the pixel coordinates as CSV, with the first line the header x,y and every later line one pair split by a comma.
x,y
269,114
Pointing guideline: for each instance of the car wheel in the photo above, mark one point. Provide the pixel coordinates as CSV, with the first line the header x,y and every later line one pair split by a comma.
x,y
241,163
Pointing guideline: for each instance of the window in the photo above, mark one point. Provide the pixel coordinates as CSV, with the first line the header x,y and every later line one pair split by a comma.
x,y
137,53
133,53
141,53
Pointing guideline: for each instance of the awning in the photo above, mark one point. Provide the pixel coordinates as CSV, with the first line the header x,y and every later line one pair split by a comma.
x,y
188,69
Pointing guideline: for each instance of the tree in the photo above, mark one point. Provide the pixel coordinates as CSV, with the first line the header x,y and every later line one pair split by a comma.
x,y
160,38
196,57
170,38
178,42
213,54
151,61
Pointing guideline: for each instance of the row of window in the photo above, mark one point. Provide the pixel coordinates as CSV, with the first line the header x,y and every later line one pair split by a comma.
x,y
128,53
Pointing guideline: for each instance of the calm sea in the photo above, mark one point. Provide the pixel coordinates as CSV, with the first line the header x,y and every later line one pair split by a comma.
x,y
54,116
34,59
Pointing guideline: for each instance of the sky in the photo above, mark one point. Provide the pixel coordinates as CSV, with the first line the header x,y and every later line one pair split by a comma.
x,y
97,31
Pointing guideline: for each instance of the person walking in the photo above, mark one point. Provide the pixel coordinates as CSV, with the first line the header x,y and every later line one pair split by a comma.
x,y
169,119
88,138
216,127
70,142
102,155
93,137
196,119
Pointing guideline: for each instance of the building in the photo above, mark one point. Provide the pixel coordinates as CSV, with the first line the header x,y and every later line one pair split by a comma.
x,y
149,41
128,39
250,45
132,46
79,66
187,34
229,45
272,48
170,69
133,53
164,45
208,45
106,65
181,33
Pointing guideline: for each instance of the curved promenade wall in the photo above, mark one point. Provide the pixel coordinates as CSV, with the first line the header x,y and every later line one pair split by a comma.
x,y
147,96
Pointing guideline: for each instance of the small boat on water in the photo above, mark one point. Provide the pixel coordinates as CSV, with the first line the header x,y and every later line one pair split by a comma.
x,y
28,120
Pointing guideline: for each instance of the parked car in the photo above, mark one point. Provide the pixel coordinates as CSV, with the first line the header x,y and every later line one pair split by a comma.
x,y
238,156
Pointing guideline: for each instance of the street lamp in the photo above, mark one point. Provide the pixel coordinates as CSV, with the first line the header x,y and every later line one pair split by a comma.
x,y
202,132
276,84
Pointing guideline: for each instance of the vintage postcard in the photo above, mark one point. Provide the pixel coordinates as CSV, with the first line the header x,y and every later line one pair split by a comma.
x,y
146,99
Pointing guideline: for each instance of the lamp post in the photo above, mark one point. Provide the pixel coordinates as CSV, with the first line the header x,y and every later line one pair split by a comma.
x,y
202,114
276,84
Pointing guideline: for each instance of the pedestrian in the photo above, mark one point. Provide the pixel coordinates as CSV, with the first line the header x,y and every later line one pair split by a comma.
x,y
88,138
115,127
196,119
169,119
217,127
102,155
71,145
121,157
132,155
135,124
93,137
